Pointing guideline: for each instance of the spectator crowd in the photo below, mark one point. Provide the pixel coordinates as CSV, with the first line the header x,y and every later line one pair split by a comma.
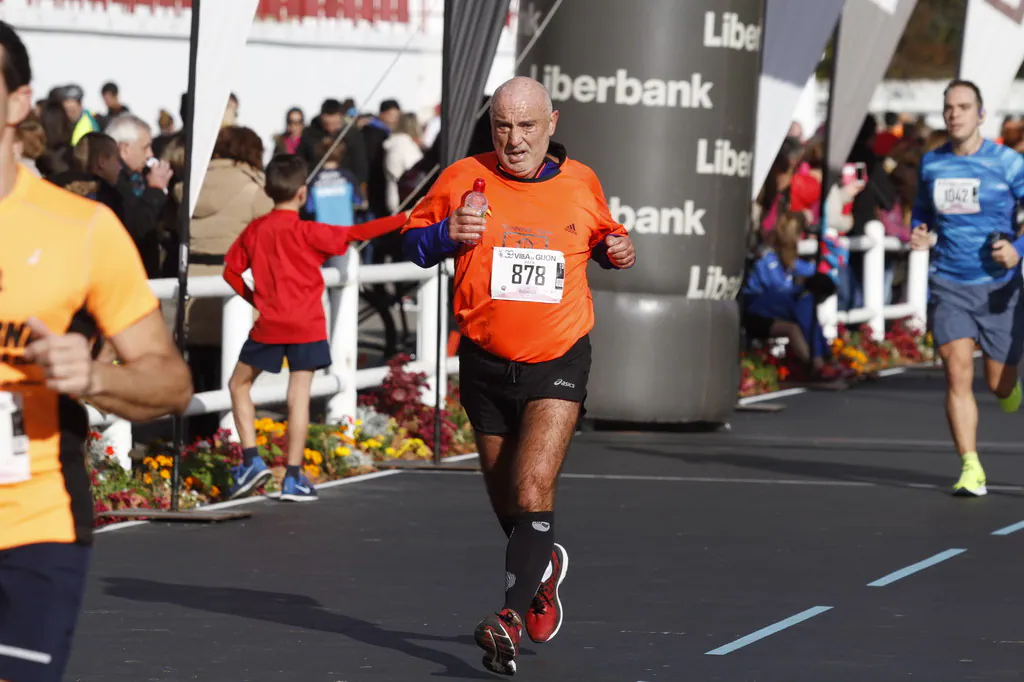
x,y
119,160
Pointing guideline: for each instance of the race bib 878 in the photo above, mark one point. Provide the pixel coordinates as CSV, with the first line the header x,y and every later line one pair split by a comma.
x,y
536,275
957,196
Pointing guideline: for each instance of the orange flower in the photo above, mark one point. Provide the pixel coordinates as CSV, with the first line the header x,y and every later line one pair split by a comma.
x,y
783,373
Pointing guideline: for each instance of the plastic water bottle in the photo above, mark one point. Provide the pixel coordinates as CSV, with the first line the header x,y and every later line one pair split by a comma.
x,y
476,200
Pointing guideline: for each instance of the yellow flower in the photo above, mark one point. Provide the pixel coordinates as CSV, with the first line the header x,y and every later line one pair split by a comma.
x,y
149,463
261,441
342,451
391,452
164,461
312,470
359,422
165,474
147,478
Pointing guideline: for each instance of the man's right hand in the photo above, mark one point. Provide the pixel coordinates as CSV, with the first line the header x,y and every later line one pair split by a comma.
x,y
160,175
465,227
920,240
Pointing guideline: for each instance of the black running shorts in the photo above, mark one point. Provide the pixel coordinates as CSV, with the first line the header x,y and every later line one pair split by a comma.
x,y
41,589
495,391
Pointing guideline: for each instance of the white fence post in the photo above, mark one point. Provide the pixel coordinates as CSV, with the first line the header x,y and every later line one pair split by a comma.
x,y
828,317
917,287
874,277
119,436
433,296
344,337
235,327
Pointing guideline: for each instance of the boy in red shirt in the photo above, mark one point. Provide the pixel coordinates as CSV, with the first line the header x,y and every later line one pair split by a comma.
x,y
285,255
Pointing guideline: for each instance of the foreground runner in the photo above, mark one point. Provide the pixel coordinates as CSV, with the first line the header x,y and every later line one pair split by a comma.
x,y
523,306
63,257
968,195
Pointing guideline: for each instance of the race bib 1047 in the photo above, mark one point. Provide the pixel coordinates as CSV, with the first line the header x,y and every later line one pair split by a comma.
x,y
536,275
15,462
954,196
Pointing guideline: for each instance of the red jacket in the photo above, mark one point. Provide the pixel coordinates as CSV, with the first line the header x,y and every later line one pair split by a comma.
x,y
285,255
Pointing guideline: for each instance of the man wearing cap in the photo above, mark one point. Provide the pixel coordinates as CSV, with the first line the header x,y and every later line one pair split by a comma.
x,y
84,122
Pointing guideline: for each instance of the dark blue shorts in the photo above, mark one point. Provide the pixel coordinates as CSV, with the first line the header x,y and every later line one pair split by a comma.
x,y
991,314
269,357
41,588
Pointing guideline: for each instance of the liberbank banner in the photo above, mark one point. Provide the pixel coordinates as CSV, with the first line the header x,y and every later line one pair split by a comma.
x,y
659,97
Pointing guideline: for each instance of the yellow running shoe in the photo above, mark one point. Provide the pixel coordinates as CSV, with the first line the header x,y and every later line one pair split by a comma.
x,y
1011,403
972,478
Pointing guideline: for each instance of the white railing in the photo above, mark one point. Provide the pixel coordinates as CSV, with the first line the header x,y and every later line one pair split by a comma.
x,y
339,383
875,244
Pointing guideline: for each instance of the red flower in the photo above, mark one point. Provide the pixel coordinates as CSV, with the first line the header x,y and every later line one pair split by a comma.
x,y
109,451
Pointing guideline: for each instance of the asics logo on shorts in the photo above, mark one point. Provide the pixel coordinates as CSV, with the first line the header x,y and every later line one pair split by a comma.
x,y
563,382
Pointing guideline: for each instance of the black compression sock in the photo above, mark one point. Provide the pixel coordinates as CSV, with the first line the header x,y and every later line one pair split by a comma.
x,y
248,455
526,558
508,524
291,471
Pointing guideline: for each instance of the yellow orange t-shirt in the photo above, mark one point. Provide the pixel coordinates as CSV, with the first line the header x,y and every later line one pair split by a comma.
x,y
563,215
63,256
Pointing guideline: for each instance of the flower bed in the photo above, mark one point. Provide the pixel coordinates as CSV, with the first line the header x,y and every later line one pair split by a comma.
x,y
390,424
762,371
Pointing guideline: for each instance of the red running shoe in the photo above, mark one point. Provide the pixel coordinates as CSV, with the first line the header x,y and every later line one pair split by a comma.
x,y
545,615
498,634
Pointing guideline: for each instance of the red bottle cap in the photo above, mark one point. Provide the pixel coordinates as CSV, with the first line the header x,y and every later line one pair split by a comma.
x,y
478,185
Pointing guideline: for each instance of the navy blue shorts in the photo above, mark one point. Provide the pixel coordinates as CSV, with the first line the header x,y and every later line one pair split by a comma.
x,y
991,314
269,357
41,588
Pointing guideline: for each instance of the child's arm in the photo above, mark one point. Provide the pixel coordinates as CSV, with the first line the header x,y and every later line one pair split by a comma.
x,y
236,261
334,240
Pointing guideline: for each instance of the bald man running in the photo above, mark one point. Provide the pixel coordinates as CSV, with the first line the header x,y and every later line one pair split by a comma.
x,y
523,305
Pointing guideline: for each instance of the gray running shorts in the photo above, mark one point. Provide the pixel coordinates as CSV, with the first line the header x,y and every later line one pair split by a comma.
x,y
990,313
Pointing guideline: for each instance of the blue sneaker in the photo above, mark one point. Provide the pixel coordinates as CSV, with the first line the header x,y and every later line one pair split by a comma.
x,y
297,489
246,478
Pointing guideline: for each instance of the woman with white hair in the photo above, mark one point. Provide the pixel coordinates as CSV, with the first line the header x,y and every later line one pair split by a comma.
x,y
402,150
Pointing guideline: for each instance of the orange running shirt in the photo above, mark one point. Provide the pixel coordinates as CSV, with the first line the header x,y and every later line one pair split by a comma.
x,y
532,227
62,254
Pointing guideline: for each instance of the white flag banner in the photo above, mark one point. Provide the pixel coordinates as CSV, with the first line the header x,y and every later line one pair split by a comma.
x,y
992,52
223,31
868,36
796,32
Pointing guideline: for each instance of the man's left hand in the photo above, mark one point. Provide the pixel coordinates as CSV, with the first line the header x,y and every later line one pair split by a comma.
x,y
620,250
1004,254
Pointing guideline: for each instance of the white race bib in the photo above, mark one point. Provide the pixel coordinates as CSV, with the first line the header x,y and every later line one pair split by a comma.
x,y
536,275
957,195
15,463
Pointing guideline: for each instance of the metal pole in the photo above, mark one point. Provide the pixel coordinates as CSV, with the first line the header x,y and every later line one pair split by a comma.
x,y
439,391
446,159
184,217
825,176
826,171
